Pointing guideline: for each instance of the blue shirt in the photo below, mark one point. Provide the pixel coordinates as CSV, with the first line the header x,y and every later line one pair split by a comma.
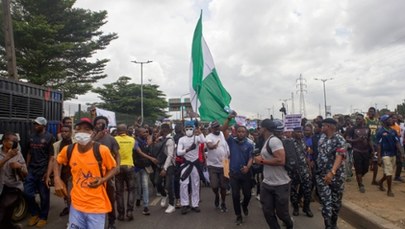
x,y
240,154
387,139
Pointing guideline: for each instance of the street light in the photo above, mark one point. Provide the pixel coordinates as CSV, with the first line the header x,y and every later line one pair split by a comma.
x,y
141,63
324,90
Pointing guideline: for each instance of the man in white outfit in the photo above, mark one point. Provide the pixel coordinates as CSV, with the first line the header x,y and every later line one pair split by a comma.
x,y
187,148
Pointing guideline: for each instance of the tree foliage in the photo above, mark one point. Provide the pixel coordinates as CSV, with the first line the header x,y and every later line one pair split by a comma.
x,y
54,43
122,96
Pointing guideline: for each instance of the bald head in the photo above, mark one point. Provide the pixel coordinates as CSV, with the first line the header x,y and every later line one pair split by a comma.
x,y
122,129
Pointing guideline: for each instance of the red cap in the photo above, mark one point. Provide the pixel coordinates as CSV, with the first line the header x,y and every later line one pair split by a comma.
x,y
85,121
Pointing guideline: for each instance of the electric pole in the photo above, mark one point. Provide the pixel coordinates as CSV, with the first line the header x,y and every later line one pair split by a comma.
x,y
9,40
302,89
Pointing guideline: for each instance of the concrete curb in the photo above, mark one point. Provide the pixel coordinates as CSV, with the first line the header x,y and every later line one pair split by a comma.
x,y
361,218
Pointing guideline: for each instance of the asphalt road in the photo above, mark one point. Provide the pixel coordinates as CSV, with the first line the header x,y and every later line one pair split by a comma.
x,y
209,217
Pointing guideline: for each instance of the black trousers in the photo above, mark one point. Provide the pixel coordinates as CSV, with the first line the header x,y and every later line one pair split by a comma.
x,y
274,200
8,201
240,182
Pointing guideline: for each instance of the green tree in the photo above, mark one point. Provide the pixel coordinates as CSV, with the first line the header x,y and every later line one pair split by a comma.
x,y
124,97
54,43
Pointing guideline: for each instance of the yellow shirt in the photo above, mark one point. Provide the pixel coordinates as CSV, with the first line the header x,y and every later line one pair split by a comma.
x,y
126,144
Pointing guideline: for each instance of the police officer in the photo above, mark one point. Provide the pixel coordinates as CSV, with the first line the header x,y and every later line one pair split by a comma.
x,y
301,180
330,172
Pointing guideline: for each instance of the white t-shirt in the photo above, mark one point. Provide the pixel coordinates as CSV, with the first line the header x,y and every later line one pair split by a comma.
x,y
216,156
273,175
185,142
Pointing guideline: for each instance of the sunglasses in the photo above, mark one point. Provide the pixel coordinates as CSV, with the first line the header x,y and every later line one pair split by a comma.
x,y
189,129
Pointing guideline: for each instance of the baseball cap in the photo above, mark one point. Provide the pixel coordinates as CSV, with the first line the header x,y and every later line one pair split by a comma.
x,y
214,124
273,125
384,118
85,121
40,121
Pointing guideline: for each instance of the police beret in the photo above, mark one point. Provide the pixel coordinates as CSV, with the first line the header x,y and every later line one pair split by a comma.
x,y
329,121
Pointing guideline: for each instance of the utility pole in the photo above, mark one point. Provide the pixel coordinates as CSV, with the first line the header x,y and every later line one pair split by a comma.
x,y
141,63
302,89
9,41
324,91
292,103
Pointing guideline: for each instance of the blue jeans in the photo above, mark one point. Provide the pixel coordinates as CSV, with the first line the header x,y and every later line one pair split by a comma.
x,y
126,176
31,185
142,179
82,220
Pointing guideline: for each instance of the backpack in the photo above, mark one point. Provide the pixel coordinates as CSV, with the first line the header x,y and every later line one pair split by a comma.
x,y
291,156
96,151
158,152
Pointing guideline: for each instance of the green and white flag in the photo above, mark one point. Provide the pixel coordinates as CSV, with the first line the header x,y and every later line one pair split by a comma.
x,y
208,97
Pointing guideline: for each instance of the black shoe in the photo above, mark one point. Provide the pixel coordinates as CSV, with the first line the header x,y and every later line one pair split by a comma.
x,y
130,216
308,212
239,220
64,212
245,210
138,203
111,226
328,224
196,209
296,211
121,217
223,208
216,202
184,210
145,211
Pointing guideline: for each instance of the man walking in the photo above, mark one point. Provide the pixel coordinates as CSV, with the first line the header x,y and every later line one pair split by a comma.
x,y
240,162
360,138
330,172
218,150
39,160
387,150
126,176
90,202
275,188
371,121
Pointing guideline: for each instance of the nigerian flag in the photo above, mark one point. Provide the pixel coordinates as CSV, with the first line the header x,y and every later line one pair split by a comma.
x,y
208,96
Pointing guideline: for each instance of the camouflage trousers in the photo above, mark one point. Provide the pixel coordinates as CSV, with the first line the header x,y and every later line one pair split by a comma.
x,y
301,186
331,196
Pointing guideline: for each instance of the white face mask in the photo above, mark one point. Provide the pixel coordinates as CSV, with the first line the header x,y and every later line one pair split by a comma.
x,y
83,138
189,133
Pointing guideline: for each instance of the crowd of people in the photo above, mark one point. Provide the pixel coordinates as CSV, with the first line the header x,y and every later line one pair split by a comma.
x,y
93,169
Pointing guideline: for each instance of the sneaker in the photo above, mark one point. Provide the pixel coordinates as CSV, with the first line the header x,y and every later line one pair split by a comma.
x,y
158,194
121,218
239,220
33,220
145,211
308,213
184,210
170,209
163,201
223,208
64,212
130,216
216,202
362,189
41,223
390,194
245,210
178,204
196,209
138,203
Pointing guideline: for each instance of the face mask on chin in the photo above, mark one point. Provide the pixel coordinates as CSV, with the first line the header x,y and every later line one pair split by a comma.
x,y
83,138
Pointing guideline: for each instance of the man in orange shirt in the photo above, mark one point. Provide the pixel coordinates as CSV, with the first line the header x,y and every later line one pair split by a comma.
x,y
90,202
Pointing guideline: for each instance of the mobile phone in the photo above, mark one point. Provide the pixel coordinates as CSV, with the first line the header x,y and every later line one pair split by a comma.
x,y
15,145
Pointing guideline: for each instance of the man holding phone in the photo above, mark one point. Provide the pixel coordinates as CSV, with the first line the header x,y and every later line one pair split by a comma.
x,y
90,202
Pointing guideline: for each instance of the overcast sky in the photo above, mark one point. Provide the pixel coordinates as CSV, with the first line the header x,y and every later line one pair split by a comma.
x,y
260,48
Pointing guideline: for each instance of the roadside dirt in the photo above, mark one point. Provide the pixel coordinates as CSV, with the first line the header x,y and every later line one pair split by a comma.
x,y
376,201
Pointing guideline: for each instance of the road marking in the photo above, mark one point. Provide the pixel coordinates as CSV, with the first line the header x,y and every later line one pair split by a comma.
x,y
155,201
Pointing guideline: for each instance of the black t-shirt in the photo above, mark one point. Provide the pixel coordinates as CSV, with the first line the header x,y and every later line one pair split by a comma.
x,y
41,149
364,134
